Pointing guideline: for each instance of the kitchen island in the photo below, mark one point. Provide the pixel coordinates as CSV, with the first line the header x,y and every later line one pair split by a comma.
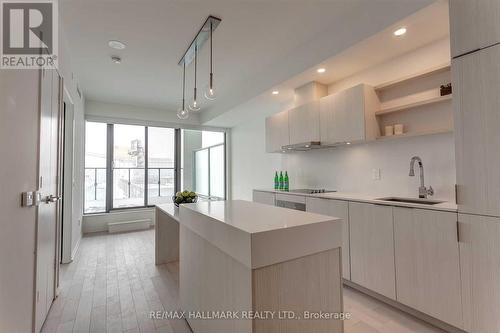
x,y
249,267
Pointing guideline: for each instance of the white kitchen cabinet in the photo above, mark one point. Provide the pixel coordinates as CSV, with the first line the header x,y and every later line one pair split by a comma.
x,y
372,247
277,132
304,123
340,209
474,24
480,265
427,263
476,83
349,116
267,198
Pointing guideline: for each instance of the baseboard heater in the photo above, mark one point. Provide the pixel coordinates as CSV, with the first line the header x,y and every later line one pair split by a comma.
x,y
129,225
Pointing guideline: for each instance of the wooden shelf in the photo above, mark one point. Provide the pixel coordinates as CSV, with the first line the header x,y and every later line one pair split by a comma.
x,y
411,102
428,72
410,135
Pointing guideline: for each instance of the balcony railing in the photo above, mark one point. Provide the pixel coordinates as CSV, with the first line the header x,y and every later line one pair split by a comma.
x,y
129,187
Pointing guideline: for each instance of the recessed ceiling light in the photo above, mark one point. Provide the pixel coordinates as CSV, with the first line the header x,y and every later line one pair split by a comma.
x,y
400,32
116,44
116,59
321,70
347,143
276,92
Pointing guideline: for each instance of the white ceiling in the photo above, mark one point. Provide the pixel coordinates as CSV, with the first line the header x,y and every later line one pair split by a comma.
x,y
258,44
424,27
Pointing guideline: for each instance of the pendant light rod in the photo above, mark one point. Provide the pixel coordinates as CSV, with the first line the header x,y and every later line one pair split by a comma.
x,y
184,87
195,68
211,57
210,24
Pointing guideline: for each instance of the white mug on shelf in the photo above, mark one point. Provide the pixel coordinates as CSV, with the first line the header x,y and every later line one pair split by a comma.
x,y
398,129
389,130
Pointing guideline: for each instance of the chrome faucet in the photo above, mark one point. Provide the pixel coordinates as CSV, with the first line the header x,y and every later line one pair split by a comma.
x,y
423,191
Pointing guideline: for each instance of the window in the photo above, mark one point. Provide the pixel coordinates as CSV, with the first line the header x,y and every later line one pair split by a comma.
x,y
161,165
129,163
138,165
210,171
95,167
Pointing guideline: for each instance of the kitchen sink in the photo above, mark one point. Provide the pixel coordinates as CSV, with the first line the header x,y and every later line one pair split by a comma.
x,y
411,200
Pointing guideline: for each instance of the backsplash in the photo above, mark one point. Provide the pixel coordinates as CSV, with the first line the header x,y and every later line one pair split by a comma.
x,y
352,169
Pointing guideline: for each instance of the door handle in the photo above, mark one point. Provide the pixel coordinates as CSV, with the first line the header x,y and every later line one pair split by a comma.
x,y
52,198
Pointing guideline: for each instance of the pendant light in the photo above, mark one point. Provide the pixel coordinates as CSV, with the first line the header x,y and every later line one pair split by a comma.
x,y
210,91
194,105
183,113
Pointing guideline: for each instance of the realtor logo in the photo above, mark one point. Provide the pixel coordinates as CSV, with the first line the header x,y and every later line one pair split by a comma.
x,y
29,34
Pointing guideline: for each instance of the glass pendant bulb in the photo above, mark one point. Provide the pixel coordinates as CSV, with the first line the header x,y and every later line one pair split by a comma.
x,y
210,90
182,113
194,106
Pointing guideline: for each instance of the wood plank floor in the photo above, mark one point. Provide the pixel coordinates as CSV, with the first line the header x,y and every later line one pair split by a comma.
x,y
113,285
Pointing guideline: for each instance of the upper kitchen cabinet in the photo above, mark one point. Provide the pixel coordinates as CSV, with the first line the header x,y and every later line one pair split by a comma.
x,y
304,123
277,132
476,82
349,116
474,25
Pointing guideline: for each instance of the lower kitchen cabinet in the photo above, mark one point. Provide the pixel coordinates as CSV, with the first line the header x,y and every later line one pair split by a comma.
x,y
340,209
480,265
372,247
267,198
427,263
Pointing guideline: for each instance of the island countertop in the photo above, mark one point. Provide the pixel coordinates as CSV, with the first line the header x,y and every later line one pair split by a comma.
x,y
258,235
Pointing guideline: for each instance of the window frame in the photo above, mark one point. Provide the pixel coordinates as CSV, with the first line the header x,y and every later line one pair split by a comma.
x,y
210,196
177,160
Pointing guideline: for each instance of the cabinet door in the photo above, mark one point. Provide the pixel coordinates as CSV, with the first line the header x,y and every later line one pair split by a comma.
x,y
304,123
480,265
427,263
326,119
277,134
340,209
264,197
474,24
372,247
353,116
476,83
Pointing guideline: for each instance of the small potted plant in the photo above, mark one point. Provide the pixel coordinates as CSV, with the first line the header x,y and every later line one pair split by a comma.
x,y
184,197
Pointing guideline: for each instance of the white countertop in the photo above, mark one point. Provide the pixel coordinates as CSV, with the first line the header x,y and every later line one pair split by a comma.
x,y
445,206
258,235
253,217
170,209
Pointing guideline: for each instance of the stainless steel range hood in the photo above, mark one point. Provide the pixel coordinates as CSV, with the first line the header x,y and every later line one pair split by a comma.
x,y
303,146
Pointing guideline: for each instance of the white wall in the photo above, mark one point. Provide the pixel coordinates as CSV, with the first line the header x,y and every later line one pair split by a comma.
x,y
71,86
349,169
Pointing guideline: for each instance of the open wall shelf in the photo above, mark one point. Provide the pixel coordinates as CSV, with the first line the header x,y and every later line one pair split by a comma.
x,y
416,102
412,101
415,134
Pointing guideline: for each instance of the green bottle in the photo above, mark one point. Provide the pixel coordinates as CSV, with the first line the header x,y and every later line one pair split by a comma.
x,y
281,181
276,181
286,183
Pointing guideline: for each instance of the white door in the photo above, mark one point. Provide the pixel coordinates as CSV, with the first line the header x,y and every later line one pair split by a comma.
x,y
49,189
